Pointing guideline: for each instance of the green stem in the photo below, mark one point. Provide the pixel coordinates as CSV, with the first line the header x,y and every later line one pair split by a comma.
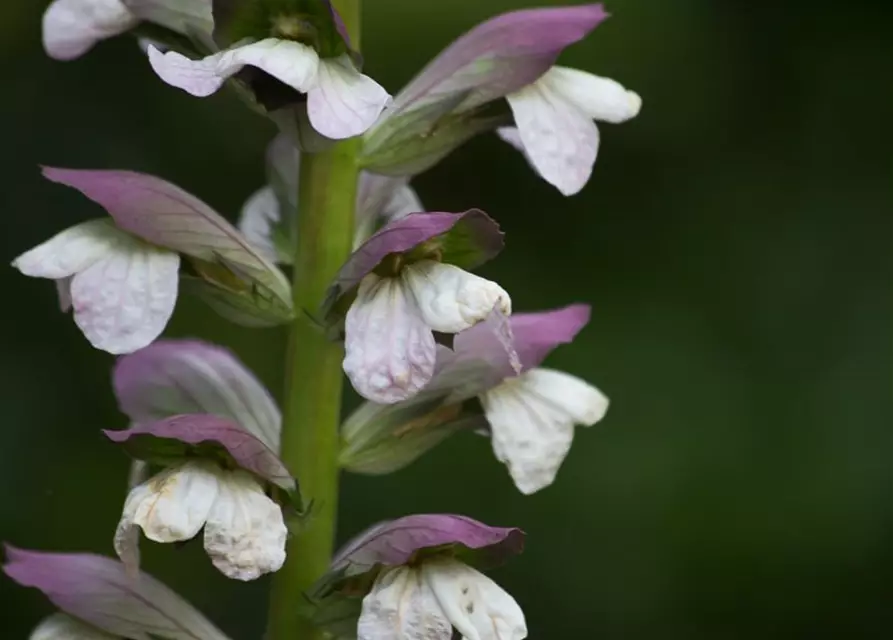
x,y
312,405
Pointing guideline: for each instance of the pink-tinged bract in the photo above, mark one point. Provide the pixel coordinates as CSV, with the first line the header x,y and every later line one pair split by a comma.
x,y
99,591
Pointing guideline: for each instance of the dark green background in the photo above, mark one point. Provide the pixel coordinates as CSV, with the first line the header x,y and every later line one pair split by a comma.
x,y
735,243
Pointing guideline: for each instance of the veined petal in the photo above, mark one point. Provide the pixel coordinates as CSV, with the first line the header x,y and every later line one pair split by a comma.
x,y
123,301
344,103
400,606
72,27
71,251
177,502
532,420
389,349
60,626
259,214
478,607
560,140
245,533
290,62
451,299
597,97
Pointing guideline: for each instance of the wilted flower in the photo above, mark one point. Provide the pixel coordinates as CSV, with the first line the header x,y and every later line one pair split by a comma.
x,y
407,288
224,493
530,417
121,276
418,583
267,217
98,600
510,56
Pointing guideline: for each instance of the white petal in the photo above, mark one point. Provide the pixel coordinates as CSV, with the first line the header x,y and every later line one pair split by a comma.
x,y
127,534
478,607
599,98
124,301
60,626
72,27
245,533
451,299
174,505
399,606
259,215
293,63
389,350
532,420
513,137
560,140
71,251
345,102
403,201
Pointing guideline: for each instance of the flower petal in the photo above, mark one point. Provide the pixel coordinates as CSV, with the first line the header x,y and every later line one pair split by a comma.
x,y
245,533
532,420
599,98
259,215
124,301
478,607
71,251
72,27
451,299
98,591
389,350
199,78
177,502
344,103
61,626
400,606
174,377
561,140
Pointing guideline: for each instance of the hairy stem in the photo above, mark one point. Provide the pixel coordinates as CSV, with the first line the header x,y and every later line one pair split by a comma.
x,y
312,405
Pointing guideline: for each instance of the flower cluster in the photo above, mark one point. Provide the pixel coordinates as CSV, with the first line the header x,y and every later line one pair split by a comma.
x,y
433,348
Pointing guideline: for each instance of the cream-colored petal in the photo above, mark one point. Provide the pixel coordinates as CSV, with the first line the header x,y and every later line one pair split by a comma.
x,y
344,103
72,27
123,301
245,532
475,605
389,349
452,299
532,420
400,606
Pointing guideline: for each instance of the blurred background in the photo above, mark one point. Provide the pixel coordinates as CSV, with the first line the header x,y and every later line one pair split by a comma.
x,y
734,242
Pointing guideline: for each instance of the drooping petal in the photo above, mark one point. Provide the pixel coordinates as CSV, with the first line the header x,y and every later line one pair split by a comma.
x,y
70,251
599,98
61,626
389,350
396,542
290,62
344,103
245,533
451,299
177,502
560,140
72,27
124,301
475,605
259,215
532,420
100,592
400,606
173,377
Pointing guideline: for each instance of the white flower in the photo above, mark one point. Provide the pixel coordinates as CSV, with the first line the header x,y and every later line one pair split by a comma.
x,y
60,626
122,290
341,101
72,27
532,420
259,218
428,601
244,529
555,128
389,345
